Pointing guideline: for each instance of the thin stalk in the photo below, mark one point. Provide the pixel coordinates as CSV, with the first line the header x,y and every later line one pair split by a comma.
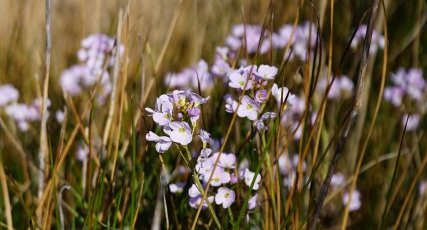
x,y
43,152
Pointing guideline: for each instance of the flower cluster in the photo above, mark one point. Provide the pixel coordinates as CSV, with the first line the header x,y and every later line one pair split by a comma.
x,y
177,113
21,113
224,177
300,39
245,35
377,41
96,52
408,86
253,80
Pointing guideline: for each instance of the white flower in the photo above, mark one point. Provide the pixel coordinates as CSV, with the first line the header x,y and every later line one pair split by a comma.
x,y
248,108
238,80
249,177
180,133
225,196
281,93
219,177
355,200
267,72
194,191
163,143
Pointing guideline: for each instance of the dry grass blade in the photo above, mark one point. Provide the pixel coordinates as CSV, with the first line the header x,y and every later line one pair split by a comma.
x,y
347,124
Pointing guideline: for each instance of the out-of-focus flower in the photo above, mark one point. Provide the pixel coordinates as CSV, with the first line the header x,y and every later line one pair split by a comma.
x,y
225,196
248,36
95,48
281,93
249,177
252,202
59,116
355,202
342,87
422,188
82,152
394,95
192,76
230,104
8,94
413,121
260,123
377,41
337,180
176,187
266,72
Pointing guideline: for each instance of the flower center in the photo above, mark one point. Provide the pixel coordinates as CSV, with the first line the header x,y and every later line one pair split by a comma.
x,y
249,106
227,195
181,130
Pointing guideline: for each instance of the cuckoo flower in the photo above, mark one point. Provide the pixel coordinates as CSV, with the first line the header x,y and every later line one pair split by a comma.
x,y
180,132
163,143
248,108
240,78
355,202
266,72
219,177
8,94
252,202
249,177
225,196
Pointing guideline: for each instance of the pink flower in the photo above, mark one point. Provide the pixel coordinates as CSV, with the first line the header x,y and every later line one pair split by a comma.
x,y
252,202
8,94
193,191
394,95
261,96
196,201
225,196
230,104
